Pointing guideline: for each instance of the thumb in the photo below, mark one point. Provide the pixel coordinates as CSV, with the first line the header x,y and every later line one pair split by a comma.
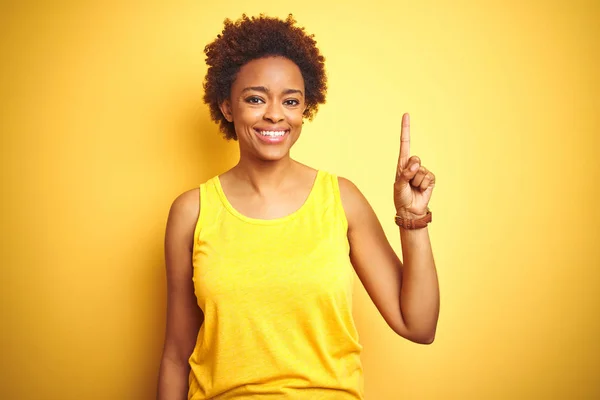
x,y
409,172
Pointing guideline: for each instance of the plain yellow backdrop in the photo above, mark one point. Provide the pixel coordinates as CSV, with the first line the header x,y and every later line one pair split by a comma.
x,y
102,125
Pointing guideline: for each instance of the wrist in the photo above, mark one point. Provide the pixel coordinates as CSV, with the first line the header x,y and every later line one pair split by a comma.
x,y
405,214
411,220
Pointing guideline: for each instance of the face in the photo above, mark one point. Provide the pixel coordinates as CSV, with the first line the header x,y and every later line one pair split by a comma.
x,y
266,107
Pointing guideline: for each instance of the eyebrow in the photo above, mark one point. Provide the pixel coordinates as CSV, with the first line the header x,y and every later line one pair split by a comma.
x,y
266,90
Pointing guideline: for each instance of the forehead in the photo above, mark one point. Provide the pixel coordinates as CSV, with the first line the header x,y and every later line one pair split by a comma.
x,y
271,72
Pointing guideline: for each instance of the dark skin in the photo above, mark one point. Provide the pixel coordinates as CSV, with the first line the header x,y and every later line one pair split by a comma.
x,y
266,106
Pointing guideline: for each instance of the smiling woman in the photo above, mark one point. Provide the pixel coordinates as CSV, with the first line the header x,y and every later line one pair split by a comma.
x,y
260,259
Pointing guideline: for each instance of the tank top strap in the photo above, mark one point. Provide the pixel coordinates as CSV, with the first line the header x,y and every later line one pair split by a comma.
x,y
210,205
327,200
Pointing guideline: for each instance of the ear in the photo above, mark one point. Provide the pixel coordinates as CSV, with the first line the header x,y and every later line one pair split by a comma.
x,y
225,107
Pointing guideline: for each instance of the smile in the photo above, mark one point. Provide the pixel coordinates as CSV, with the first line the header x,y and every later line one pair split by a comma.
x,y
271,133
271,137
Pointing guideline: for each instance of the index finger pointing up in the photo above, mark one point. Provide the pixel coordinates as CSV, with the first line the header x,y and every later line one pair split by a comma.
x,y
404,142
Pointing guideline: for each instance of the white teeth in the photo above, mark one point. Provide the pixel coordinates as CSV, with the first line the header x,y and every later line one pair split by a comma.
x,y
272,133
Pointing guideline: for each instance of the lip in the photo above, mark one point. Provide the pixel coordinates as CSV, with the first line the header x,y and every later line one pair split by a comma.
x,y
269,139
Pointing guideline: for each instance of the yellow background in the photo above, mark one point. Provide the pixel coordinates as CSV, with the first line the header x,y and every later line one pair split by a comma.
x,y
102,126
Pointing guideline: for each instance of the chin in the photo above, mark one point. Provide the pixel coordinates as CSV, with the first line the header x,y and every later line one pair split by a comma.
x,y
273,155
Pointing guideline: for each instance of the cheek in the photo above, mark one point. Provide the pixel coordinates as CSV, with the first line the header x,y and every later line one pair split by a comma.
x,y
247,114
296,117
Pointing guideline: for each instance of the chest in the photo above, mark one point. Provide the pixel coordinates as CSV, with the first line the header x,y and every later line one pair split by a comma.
x,y
268,207
290,264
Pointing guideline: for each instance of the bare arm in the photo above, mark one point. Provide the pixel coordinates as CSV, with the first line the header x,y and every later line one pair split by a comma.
x,y
184,317
406,295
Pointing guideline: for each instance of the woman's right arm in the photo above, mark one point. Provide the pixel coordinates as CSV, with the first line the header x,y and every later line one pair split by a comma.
x,y
184,317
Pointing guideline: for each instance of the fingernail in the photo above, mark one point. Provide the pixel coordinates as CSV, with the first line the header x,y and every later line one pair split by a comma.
x,y
414,167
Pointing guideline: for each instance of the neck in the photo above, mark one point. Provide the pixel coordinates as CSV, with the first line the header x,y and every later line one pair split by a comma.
x,y
264,176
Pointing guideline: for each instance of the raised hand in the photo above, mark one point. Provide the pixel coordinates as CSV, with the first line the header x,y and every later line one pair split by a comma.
x,y
414,183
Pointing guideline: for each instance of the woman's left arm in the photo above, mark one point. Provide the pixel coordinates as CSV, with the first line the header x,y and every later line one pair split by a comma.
x,y
406,294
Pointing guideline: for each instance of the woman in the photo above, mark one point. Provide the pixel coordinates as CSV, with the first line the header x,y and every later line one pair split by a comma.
x,y
260,259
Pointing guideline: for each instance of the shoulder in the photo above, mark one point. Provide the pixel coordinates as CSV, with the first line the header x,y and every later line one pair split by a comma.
x,y
183,215
348,189
354,202
187,204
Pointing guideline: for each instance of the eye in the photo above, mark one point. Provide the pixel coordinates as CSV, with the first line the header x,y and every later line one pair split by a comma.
x,y
291,102
254,100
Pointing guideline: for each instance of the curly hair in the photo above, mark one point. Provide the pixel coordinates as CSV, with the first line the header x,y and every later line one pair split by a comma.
x,y
251,38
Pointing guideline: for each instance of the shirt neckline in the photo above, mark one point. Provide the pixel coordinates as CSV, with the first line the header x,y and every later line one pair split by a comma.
x,y
260,221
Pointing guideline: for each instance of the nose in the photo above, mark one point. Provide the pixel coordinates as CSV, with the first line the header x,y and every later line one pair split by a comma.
x,y
274,112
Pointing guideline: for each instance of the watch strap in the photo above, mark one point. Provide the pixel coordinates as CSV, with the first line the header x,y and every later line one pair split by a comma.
x,y
408,223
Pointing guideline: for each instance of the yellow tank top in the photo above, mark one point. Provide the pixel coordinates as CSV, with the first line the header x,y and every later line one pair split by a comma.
x,y
277,301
